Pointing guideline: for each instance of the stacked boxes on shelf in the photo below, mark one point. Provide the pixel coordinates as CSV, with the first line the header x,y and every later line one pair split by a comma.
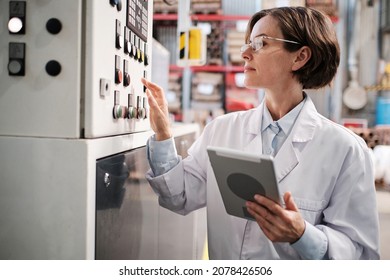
x,y
215,43
207,87
234,40
165,7
206,6
174,93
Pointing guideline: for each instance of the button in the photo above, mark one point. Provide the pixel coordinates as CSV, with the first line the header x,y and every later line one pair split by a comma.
x,y
53,26
16,59
53,68
14,67
17,17
15,24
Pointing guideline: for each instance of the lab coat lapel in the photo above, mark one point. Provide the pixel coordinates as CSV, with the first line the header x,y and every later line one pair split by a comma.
x,y
303,131
285,160
253,130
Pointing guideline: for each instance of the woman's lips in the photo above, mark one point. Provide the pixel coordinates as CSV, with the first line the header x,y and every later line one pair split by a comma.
x,y
247,68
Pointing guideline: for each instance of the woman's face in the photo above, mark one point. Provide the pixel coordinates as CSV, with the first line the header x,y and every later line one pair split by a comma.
x,y
269,67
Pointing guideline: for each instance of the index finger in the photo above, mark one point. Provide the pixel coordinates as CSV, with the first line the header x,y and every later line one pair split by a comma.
x,y
150,85
271,205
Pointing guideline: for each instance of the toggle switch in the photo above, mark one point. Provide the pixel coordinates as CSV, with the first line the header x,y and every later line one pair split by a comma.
x,y
119,111
138,107
118,37
126,75
118,72
146,58
117,4
133,39
17,17
127,43
144,109
16,59
142,53
132,111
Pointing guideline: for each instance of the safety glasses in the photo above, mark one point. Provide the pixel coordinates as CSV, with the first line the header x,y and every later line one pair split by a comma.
x,y
258,43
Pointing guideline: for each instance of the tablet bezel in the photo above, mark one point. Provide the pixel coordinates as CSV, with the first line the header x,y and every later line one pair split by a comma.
x,y
227,162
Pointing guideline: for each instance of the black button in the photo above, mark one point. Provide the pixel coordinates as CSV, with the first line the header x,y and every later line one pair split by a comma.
x,y
54,26
53,68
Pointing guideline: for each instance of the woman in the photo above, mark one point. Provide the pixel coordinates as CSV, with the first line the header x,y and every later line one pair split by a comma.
x,y
324,171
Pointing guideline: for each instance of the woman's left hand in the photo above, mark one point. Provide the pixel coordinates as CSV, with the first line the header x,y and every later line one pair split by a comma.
x,y
278,224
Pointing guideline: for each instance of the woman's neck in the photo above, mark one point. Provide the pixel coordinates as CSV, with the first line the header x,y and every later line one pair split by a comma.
x,y
280,104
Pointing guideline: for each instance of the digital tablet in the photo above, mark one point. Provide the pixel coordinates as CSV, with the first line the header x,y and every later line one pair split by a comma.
x,y
240,175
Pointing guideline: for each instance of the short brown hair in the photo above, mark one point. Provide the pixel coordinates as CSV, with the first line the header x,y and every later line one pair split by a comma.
x,y
310,28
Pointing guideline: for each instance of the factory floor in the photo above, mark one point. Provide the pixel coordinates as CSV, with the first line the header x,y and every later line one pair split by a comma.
x,y
383,198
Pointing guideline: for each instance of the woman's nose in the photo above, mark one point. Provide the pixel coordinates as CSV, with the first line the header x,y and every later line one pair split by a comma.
x,y
246,54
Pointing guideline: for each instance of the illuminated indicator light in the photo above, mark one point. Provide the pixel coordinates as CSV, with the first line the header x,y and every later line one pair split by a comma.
x,y
15,24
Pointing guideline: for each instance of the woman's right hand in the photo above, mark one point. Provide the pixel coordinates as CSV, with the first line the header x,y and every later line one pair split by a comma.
x,y
159,115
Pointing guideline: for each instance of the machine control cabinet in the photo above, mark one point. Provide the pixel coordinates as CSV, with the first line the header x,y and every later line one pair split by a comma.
x,y
72,69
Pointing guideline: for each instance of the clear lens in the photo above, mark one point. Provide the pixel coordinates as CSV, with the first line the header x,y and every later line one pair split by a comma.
x,y
256,45
244,47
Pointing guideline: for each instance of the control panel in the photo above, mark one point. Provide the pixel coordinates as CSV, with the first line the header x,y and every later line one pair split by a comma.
x,y
72,69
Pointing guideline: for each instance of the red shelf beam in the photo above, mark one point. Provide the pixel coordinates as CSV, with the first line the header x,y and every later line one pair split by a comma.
x,y
201,17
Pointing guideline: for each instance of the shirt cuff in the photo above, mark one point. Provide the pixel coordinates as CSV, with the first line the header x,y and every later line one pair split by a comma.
x,y
162,155
313,244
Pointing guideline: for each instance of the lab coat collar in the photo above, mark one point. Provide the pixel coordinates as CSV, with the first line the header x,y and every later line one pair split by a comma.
x,y
303,131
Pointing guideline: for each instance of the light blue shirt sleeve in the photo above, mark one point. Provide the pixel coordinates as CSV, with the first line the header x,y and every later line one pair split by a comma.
x,y
162,155
313,244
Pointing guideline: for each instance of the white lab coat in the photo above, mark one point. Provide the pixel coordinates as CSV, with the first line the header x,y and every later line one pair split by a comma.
x,y
326,167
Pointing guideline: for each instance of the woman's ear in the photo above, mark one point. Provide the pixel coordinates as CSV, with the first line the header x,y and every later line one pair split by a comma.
x,y
302,56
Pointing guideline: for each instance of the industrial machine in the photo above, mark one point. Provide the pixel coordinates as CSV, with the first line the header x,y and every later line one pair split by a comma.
x,y
73,129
